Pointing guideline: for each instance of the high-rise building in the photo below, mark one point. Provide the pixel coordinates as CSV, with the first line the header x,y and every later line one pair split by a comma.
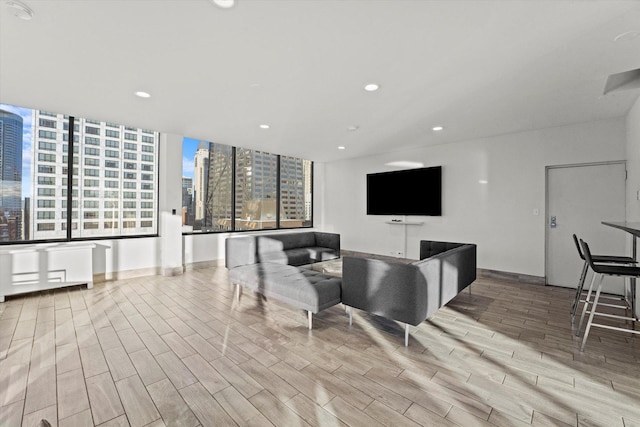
x,y
218,209
200,179
114,178
10,176
292,187
187,200
256,189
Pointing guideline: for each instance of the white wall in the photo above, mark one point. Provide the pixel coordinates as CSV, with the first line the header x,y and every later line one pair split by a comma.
x,y
154,254
170,201
497,216
633,171
633,162
138,256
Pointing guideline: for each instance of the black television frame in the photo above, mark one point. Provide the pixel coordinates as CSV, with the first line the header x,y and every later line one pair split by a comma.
x,y
405,192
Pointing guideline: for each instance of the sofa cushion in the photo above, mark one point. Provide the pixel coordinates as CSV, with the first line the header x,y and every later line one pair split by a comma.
x,y
280,242
292,257
265,244
302,288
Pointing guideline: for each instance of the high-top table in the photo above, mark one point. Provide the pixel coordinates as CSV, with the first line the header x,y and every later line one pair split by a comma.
x,y
633,228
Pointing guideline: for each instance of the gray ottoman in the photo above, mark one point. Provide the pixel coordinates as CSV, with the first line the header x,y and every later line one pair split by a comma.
x,y
302,288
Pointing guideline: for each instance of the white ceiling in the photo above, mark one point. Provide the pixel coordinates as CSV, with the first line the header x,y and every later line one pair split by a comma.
x,y
479,68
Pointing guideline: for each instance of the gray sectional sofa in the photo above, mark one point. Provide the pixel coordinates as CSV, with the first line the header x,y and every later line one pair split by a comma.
x,y
267,264
409,293
284,248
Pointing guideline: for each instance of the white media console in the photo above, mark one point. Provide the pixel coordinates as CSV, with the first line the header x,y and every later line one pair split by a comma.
x,y
29,268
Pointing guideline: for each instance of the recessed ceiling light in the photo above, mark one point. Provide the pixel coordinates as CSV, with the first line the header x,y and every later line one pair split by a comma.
x,y
628,35
437,128
264,126
483,181
19,10
142,94
353,128
371,87
341,147
224,4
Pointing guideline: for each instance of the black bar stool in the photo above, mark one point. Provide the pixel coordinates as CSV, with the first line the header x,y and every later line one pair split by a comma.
x,y
598,259
608,270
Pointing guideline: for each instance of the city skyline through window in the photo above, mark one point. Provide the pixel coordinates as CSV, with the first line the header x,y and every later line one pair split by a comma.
x,y
227,188
34,187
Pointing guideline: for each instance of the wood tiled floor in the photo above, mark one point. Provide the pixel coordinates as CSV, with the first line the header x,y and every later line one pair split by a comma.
x,y
178,351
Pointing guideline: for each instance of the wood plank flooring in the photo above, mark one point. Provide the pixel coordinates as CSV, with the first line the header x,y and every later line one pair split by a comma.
x,y
178,351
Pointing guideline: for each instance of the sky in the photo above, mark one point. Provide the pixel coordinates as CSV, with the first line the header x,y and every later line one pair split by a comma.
x,y
189,147
27,137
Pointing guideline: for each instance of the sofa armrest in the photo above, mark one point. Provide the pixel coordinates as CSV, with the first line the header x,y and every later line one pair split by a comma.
x,y
240,251
429,248
448,274
389,289
328,240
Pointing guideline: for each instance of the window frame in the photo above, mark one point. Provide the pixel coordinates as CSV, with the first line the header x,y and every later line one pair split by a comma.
x,y
68,226
278,200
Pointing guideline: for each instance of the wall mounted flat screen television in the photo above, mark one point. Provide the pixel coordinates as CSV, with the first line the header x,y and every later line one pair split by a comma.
x,y
405,192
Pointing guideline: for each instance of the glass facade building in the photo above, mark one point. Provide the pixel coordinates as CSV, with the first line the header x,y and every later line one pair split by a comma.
x,y
11,214
248,189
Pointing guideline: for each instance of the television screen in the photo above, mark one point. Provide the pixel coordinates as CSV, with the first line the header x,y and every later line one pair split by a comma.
x,y
405,192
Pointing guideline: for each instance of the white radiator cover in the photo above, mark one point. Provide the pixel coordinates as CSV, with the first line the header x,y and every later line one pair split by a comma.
x,y
29,268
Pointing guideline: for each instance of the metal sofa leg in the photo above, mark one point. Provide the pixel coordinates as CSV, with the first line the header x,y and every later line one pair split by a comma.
x,y
350,316
238,291
310,317
406,335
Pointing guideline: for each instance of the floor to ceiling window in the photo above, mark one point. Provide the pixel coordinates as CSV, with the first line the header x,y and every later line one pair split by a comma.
x,y
65,177
227,188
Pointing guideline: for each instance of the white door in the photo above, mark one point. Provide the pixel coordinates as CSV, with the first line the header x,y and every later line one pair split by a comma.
x,y
579,198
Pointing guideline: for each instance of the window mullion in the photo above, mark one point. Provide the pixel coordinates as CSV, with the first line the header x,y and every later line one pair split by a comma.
x,y
233,188
278,192
70,156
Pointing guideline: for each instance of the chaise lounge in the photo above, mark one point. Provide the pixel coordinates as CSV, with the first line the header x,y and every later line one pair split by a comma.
x,y
266,264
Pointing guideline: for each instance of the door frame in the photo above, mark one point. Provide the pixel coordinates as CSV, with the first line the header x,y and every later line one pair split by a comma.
x,y
546,200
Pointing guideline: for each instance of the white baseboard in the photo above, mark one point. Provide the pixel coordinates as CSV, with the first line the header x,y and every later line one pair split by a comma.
x,y
124,274
156,271
204,264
